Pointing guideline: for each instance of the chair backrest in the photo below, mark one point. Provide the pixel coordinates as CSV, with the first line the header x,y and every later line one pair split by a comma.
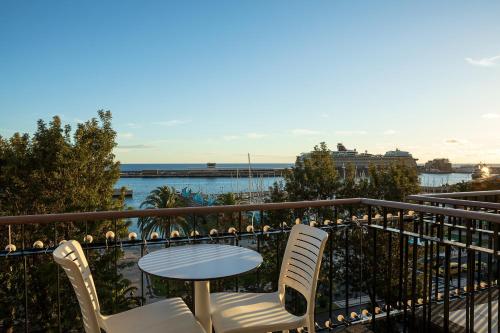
x,y
72,259
302,261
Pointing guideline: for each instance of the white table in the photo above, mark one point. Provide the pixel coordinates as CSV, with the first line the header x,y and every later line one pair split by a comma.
x,y
201,263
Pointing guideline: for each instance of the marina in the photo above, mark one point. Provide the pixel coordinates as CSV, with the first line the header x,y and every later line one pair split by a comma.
x,y
139,187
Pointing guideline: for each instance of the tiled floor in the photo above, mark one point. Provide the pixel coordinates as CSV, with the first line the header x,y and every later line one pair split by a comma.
x,y
480,317
458,313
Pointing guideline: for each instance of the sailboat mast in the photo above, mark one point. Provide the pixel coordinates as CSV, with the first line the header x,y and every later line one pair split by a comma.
x,y
238,182
249,180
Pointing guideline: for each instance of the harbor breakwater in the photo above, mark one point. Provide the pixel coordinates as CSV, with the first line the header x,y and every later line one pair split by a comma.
x,y
203,173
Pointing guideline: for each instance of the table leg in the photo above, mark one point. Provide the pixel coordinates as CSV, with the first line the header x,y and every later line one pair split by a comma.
x,y
202,304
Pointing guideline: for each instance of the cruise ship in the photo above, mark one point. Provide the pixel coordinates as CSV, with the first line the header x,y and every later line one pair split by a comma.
x,y
361,161
343,157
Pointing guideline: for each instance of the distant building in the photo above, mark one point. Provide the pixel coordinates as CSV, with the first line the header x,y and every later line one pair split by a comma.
x,y
361,161
439,165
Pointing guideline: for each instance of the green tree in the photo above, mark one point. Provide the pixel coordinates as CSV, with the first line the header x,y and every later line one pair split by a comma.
x,y
314,176
163,197
487,184
278,194
393,182
56,170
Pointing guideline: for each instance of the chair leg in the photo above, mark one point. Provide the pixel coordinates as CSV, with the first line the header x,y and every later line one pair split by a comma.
x,y
311,327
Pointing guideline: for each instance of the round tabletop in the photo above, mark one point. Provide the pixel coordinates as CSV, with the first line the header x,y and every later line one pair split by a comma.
x,y
200,262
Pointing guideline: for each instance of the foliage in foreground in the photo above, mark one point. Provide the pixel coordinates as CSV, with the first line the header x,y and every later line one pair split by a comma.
x,y
56,171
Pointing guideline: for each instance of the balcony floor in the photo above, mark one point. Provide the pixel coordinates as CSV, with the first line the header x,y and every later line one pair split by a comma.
x,y
458,313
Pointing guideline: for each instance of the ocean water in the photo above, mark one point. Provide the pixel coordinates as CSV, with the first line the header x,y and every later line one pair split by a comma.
x,y
142,186
212,186
434,180
216,185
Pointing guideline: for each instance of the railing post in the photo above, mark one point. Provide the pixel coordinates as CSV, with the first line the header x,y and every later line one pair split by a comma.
x,y
374,270
459,257
401,259
426,302
142,273
58,286
405,286
388,279
496,246
446,314
490,277
479,256
346,244
25,271
416,229
470,279
278,254
115,303
330,273
237,241
429,296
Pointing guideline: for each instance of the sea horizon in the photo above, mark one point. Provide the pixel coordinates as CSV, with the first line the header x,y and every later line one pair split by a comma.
x,y
197,166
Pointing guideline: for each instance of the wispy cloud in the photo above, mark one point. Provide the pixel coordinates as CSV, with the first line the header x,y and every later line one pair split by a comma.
x,y
353,132
455,141
256,135
390,132
490,116
484,62
171,123
325,115
125,135
304,131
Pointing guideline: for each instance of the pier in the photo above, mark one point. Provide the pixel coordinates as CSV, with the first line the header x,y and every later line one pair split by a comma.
x,y
204,173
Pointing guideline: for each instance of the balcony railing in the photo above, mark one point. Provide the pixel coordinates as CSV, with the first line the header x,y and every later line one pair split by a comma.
x,y
390,266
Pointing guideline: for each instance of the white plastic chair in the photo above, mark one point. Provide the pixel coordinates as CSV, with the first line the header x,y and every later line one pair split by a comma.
x,y
265,312
170,315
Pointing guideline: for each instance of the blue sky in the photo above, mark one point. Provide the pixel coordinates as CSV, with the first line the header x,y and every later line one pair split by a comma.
x,y
198,81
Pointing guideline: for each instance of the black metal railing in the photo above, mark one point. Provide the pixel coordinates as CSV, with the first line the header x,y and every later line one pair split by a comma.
x,y
391,266
486,201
